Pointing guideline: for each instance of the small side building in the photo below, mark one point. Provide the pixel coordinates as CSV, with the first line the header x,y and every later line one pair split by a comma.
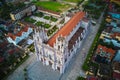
x,y
20,13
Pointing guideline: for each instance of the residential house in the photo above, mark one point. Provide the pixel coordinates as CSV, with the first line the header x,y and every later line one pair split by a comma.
x,y
18,32
104,54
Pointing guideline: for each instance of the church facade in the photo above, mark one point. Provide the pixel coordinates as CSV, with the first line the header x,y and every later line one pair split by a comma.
x,y
61,47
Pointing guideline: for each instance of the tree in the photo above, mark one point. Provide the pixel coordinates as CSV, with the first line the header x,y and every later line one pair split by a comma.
x,y
80,78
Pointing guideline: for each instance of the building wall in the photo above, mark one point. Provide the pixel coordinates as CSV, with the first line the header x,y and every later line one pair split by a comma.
x,y
22,13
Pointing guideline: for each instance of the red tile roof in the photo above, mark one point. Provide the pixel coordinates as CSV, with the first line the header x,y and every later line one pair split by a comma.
x,y
115,34
116,66
65,30
92,78
116,75
3,44
13,36
11,51
1,59
107,50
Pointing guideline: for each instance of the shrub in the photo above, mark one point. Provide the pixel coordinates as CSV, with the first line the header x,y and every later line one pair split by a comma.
x,y
47,17
39,23
28,19
39,14
80,78
46,25
54,19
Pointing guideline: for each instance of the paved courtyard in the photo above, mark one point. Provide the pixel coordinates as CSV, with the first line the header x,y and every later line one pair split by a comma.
x,y
38,71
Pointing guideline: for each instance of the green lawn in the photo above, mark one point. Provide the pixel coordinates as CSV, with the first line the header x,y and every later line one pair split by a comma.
x,y
74,1
53,6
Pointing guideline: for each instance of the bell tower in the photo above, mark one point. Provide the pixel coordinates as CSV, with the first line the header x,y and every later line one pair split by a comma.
x,y
60,44
39,38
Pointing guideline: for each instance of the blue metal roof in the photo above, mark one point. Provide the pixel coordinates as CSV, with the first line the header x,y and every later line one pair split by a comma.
x,y
117,57
115,15
115,42
114,24
117,29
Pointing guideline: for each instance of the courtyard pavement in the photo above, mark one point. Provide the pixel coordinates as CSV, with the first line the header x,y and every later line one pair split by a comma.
x,y
38,71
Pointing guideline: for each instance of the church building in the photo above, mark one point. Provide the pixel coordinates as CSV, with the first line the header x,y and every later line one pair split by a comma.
x,y
62,46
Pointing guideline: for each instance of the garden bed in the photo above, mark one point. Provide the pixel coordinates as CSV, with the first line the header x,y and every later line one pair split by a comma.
x,y
28,19
39,23
42,25
53,19
47,17
51,31
39,14
46,26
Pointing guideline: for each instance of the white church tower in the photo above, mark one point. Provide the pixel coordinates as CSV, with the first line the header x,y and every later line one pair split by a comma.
x,y
62,46
39,37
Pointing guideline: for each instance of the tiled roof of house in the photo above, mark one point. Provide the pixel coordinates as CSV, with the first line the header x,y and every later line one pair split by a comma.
x,y
115,34
116,66
3,44
11,51
13,36
106,50
92,78
67,28
1,59
108,29
116,75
